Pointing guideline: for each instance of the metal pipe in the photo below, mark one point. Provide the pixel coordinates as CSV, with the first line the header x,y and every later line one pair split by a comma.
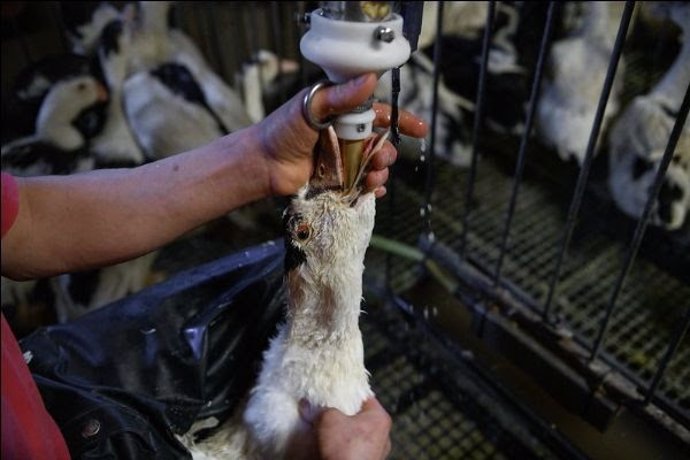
x,y
589,153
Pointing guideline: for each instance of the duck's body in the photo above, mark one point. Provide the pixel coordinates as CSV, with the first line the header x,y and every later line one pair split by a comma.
x,y
318,353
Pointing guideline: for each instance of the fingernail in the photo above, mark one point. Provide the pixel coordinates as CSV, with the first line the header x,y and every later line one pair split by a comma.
x,y
361,79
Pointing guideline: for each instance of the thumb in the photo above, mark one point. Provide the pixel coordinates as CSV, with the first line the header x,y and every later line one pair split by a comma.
x,y
344,97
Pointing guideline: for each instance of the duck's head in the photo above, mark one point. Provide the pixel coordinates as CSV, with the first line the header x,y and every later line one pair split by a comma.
x,y
328,224
71,112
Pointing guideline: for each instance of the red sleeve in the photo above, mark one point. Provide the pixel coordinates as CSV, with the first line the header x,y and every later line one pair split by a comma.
x,y
10,202
28,430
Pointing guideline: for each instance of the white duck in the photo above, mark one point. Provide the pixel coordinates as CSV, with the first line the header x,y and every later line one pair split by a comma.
x,y
318,352
639,137
578,64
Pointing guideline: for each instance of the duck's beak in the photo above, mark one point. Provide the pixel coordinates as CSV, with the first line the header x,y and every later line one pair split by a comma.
x,y
101,93
328,167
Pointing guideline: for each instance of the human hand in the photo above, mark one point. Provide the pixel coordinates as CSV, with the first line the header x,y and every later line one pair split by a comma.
x,y
287,140
336,436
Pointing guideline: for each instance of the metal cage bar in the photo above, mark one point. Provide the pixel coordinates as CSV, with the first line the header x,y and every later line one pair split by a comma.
x,y
668,355
522,154
574,209
395,93
429,187
479,112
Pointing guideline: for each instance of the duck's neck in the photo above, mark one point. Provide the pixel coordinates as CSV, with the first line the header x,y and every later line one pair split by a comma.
x,y
324,309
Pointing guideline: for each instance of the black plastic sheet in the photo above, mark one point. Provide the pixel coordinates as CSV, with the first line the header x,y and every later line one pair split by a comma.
x,y
122,380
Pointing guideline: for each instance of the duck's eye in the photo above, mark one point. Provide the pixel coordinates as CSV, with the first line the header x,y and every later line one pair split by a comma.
x,y
303,231
81,86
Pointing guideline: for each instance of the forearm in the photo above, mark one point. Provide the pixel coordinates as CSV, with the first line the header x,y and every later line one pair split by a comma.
x,y
71,223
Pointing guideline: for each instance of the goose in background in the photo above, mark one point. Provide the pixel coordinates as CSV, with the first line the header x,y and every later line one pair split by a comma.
x,y
639,136
317,353
577,66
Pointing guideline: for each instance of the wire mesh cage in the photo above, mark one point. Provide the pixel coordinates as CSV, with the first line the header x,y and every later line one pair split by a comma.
x,y
518,222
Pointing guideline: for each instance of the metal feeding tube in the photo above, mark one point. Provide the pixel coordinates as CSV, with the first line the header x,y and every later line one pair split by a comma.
x,y
348,39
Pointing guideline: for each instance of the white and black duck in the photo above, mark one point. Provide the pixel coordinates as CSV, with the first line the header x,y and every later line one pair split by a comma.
x,y
168,111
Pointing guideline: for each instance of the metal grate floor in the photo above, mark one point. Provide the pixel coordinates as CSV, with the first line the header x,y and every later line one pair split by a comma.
x,y
440,407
